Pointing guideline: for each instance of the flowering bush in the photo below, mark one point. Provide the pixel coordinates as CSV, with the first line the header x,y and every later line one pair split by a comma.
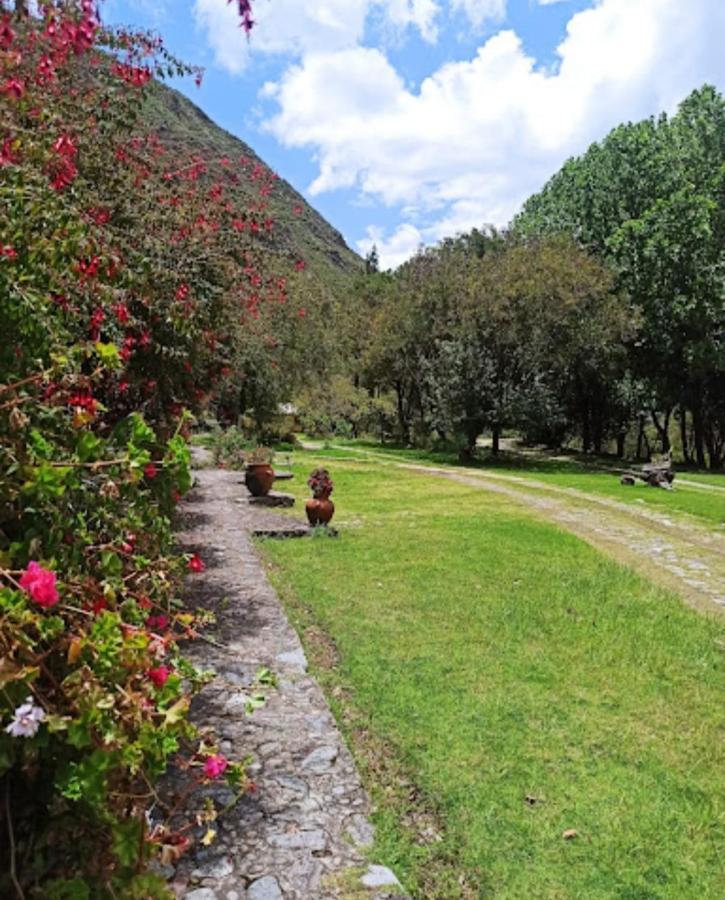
x,y
125,274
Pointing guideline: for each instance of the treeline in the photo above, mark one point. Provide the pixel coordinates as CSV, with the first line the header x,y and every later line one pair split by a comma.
x,y
598,316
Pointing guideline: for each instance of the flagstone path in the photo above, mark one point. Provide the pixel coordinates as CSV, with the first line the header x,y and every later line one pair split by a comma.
x,y
304,833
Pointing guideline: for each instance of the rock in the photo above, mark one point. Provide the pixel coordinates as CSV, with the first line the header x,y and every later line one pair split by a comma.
x,y
299,840
202,894
320,760
296,659
266,888
361,832
218,868
236,705
379,876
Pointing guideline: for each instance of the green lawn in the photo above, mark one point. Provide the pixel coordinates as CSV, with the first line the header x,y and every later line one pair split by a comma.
x,y
494,658
706,505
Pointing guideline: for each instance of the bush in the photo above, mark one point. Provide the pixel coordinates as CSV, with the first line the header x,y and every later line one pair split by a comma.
x,y
120,277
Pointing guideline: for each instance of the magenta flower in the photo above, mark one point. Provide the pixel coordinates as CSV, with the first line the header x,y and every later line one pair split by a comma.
x,y
27,720
196,564
160,675
215,766
39,583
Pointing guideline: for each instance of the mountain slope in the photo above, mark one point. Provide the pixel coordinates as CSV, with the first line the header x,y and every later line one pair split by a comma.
x,y
300,231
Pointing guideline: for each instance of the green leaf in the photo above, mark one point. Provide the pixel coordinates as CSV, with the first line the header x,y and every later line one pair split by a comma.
x,y
109,355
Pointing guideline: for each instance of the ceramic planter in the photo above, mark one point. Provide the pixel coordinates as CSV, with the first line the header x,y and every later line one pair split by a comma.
x,y
320,511
259,479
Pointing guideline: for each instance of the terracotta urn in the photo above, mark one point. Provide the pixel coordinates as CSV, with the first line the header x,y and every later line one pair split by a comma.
x,y
259,478
320,510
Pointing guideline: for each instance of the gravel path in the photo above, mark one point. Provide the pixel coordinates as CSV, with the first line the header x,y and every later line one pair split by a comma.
x,y
675,552
681,556
304,832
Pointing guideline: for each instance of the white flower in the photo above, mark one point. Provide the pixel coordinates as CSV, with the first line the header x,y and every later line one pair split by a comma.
x,y
27,720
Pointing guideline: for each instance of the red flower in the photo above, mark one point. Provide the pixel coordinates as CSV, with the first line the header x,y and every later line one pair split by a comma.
x,y
215,766
8,252
144,603
99,605
196,564
157,623
159,676
7,35
64,146
121,311
39,583
83,400
13,87
63,172
300,265
8,157
150,471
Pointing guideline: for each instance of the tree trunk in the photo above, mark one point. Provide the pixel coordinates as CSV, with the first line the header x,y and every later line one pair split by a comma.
x,y
642,440
699,435
586,431
663,429
495,439
684,437
402,418
621,439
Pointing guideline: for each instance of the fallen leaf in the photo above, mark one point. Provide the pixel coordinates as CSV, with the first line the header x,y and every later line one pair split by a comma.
x,y
208,838
571,833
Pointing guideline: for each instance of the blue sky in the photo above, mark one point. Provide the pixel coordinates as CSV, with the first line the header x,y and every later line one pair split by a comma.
x,y
404,121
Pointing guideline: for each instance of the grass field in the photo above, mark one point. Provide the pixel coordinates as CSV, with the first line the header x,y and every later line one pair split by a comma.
x,y
477,657
707,506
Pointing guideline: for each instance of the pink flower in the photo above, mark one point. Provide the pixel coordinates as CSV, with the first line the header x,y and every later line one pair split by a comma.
x,y
215,766
196,564
160,675
39,583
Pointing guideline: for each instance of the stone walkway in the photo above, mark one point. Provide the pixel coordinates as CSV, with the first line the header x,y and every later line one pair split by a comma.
x,y
303,834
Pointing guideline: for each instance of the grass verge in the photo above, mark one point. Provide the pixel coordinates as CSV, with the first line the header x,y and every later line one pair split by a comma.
x,y
706,506
502,684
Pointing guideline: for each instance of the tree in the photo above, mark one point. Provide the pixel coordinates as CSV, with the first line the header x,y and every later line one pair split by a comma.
x,y
651,200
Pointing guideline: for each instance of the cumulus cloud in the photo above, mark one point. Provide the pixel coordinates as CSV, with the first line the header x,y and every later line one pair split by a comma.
x,y
480,135
291,27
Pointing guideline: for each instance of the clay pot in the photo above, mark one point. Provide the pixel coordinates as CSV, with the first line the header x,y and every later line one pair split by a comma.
x,y
259,479
320,510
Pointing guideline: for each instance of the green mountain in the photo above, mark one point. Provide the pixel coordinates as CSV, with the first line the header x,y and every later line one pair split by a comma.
x,y
300,231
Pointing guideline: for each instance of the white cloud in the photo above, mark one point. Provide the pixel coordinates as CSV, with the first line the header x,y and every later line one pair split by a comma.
x,y
421,14
480,135
392,251
300,28
480,11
